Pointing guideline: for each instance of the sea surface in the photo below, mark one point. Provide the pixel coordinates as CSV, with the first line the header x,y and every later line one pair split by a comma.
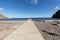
x,y
21,19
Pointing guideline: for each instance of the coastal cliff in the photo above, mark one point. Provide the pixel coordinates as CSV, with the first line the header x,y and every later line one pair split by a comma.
x,y
56,15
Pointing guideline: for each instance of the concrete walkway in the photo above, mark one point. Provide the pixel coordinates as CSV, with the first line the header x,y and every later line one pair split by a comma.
x,y
27,31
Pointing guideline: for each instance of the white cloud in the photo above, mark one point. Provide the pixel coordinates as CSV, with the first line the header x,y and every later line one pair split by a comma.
x,y
34,2
1,9
57,8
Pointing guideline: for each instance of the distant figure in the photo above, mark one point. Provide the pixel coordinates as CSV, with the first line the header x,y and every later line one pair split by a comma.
x,y
56,15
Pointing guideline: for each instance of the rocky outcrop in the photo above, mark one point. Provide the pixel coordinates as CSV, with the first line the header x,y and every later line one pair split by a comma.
x,y
2,16
56,15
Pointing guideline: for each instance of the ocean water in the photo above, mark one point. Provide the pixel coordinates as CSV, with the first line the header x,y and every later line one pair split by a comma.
x,y
21,19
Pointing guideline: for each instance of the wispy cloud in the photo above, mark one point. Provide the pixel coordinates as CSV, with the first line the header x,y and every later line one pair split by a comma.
x,y
57,8
34,2
1,9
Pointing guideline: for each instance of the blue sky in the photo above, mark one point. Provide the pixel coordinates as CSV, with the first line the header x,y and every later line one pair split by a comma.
x,y
29,8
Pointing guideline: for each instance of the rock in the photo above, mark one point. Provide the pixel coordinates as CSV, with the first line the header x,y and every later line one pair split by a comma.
x,y
56,15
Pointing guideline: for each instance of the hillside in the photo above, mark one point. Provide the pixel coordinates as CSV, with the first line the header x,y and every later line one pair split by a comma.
x,y
2,16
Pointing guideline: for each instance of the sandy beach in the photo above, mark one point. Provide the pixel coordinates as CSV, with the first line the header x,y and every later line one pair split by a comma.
x,y
29,19
44,30
6,27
